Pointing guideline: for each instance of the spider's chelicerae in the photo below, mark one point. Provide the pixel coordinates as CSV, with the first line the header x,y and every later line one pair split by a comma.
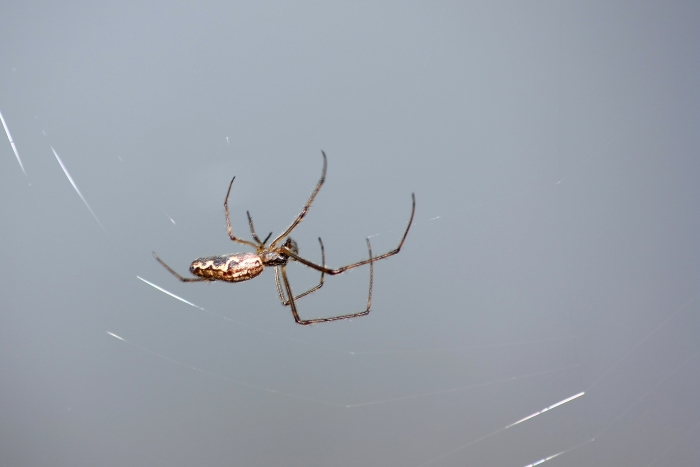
x,y
240,267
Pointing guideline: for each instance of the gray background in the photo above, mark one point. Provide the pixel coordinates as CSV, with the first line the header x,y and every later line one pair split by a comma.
x,y
553,150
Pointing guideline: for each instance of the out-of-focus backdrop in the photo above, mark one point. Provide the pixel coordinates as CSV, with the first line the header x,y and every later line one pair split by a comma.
x,y
552,271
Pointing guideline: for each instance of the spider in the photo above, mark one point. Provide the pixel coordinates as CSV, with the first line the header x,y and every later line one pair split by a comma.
x,y
240,267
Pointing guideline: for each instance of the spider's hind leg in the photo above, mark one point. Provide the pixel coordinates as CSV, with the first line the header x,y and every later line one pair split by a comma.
x,y
182,279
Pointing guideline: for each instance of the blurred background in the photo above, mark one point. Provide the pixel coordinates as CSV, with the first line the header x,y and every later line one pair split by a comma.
x,y
552,270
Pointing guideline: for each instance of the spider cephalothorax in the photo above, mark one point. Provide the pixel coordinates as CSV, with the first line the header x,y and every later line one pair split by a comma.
x,y
240,267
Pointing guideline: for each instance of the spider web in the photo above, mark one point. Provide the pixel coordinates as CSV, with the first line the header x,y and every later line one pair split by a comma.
x,y
495,372
544,309
591,433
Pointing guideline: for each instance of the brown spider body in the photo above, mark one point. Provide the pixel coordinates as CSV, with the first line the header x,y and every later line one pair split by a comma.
x,y
241,267
230,268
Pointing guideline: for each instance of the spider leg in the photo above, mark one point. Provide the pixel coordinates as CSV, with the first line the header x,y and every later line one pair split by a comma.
x,y
340,270
228,220
284,301
267,238
252,230
183,279
306,207
305,322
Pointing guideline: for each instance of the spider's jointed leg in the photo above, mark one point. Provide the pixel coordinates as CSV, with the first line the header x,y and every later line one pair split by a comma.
x,y
182,279
306,207
228,220
342,269
252,230
305,322
284,301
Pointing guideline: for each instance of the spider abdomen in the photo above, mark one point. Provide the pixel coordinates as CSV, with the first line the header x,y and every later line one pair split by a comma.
x,y
229,268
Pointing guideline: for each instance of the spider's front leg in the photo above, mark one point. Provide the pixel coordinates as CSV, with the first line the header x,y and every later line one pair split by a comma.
x,y
342,269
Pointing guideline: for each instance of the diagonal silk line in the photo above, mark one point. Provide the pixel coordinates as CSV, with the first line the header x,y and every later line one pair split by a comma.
x,y
459,388
501,430
12,143
70,179
569,399
169,293
549,458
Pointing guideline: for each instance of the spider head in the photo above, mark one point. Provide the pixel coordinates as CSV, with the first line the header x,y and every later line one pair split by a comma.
x,y
291,245
278,256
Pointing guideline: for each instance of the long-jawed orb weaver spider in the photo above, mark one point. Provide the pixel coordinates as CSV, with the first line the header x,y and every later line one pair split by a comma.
x,y
240,267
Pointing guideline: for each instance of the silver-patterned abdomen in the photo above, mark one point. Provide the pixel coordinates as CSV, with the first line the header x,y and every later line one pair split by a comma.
x,y
229,268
